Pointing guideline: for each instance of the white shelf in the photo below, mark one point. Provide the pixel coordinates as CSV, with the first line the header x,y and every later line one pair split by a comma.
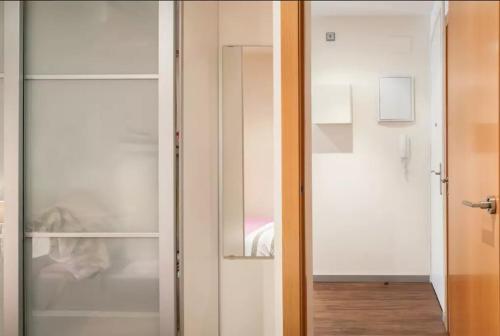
x,y
331,104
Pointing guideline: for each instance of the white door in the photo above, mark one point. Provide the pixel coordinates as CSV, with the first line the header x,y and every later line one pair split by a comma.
x,y
438,190
90,230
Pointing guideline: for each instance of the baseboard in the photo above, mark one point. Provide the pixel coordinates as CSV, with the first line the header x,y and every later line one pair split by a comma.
x,y
370,278
445,320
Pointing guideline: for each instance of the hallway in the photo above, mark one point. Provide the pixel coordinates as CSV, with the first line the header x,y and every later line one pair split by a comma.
x,y
371,309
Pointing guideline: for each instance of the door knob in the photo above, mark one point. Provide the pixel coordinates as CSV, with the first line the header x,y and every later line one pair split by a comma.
x,y
490,204
441,179
438,172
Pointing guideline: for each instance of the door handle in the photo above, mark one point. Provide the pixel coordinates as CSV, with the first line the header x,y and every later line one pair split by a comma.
x,y
490,204
441,179
438,172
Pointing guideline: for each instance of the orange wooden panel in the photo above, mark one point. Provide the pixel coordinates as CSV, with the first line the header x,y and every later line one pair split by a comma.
x,y
473,167
292,107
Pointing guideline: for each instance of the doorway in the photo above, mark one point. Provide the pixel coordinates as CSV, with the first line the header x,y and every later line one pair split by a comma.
x,y
377,158
471,162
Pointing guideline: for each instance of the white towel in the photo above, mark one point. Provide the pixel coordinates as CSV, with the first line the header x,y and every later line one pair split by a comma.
x,y
81,257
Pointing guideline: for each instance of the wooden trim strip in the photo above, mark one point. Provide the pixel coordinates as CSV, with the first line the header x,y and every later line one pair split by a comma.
x,y
292,102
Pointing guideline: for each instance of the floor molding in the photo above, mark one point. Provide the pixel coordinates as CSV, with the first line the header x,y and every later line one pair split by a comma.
x,y
445,321
370,278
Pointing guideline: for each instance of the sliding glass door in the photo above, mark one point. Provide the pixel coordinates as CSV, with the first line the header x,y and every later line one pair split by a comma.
x,y
97,196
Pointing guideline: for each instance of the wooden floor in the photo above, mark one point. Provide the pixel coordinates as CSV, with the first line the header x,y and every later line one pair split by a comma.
x,y
376,309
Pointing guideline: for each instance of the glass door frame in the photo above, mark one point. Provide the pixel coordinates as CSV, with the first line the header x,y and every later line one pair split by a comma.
x,y
14,235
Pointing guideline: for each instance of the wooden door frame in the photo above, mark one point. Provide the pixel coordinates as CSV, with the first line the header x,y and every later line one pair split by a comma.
x,y
296,174
294,170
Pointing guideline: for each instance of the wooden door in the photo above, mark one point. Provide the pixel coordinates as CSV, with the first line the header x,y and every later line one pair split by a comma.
x,y
292,169
473,157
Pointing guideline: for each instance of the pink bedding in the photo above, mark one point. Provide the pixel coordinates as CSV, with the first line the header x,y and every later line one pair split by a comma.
x,y
254,223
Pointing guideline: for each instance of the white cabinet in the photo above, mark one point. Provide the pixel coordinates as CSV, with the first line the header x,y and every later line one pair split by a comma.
x,y
396,99
331,104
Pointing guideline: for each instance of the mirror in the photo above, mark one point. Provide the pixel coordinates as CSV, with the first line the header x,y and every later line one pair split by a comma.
x,y
246,151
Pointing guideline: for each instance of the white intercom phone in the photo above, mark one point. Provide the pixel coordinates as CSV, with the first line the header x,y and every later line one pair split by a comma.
x,y
405,152
404,147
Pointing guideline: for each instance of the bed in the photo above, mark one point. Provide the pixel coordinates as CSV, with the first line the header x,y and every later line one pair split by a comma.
x,y
260,241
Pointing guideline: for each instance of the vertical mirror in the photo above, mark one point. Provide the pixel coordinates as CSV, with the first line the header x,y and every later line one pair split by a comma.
x,y
247,151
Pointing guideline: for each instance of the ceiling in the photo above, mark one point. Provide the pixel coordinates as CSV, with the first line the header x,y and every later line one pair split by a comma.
x,y
370,8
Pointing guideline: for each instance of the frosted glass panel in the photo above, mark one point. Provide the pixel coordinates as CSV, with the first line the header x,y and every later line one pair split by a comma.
x,y
94,36
92,286
91,155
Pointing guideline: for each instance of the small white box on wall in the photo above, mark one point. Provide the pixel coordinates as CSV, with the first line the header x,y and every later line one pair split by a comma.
x,y
331,104
396,99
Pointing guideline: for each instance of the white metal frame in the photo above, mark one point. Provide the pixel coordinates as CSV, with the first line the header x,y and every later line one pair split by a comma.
x,y
13,144
179,10
166,169
13,234
92,235
90,77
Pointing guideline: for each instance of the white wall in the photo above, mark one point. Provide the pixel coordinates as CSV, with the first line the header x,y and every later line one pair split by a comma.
x,y
369,218
246,23
247,285
200,169
308,220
